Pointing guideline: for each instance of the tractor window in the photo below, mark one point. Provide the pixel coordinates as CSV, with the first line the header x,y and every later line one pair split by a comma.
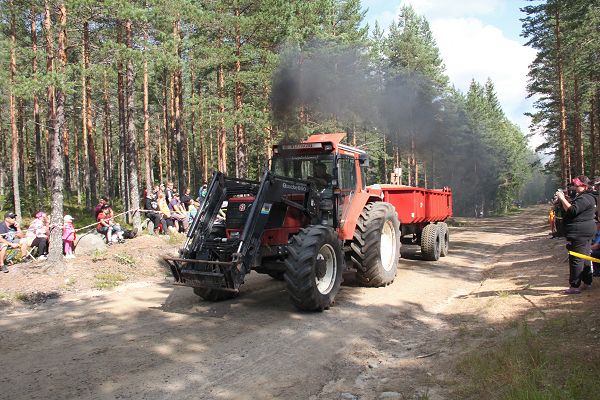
x,y
347,173
305,167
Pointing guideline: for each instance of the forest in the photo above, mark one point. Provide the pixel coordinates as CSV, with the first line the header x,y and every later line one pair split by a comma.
x,y
108,97
564,81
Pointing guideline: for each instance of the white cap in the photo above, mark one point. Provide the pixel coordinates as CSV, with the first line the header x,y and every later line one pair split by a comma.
x,y
68,218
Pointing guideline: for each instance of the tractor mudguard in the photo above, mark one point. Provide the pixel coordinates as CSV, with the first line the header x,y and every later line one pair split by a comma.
x,y
359,201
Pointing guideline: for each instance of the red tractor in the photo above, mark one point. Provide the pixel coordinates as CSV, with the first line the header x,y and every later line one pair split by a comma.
x,y
308,219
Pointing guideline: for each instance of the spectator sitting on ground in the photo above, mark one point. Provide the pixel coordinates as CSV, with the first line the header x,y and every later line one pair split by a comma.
x,y
150,203
186,199
169,192
98,208
178,213
68,236
108,226
596,250
202,193
165,212
38,234
12,237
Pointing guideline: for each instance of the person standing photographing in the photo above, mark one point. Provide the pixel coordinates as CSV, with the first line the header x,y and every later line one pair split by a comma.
x,y
580,228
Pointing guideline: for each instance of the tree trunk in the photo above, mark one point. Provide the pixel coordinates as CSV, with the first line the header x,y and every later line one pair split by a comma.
x,y
60,97
122,125
147,159
77,179
39,165
50,108
222,135
131,135
176,93
563,144
55,251
241,152
84,127
93,158
106,142
13,117
592,137
579,168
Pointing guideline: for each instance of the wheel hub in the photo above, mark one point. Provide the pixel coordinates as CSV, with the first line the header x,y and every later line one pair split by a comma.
x,y
325,269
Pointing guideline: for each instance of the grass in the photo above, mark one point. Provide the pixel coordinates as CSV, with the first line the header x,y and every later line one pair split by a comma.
x,y
551,363
99,255
22,297
124,259
4,296
176,238
108,281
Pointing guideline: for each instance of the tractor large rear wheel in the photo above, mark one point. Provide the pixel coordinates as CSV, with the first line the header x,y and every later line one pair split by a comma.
x,y
431,242
376,245
314,268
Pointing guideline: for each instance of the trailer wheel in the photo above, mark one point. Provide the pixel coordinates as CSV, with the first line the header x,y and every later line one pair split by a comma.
x,y
445,236
431,242
376,245
314,267
209,294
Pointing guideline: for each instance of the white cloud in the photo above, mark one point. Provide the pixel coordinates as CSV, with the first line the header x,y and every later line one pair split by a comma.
x,y
452,8
474,50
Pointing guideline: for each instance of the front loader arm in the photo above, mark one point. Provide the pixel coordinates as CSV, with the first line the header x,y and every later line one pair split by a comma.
x,y
273,189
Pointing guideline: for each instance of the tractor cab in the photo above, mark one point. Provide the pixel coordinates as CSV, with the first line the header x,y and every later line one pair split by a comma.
x,y
337,171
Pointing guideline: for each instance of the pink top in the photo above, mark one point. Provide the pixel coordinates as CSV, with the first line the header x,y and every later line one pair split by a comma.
x,y
68,232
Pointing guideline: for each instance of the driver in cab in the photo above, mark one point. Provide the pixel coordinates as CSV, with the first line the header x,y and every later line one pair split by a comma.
x,y
321,177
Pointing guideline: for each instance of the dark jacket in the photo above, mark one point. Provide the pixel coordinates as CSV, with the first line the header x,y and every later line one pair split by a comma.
x,y
579,218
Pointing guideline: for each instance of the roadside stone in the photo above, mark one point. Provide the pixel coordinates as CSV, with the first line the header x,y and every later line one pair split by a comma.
x,y
389,395
89,243
348,396
150,227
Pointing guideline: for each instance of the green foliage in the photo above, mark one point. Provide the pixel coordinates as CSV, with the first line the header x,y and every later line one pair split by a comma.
x,y
387,90
108,281
533,365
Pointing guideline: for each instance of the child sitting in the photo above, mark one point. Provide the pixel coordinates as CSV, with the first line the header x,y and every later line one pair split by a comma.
x,y
108,226
68,236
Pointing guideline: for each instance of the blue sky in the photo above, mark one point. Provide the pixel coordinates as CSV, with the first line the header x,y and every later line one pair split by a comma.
x,y
477,39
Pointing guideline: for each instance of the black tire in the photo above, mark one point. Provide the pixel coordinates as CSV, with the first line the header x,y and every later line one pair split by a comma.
x,y
313,284
376,266
277,275
431,245
445,239
209,294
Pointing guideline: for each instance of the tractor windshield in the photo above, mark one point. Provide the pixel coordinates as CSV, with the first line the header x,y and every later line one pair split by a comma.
x,y
317,168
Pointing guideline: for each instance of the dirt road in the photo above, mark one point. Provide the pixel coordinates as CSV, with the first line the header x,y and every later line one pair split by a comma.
x,y
156,341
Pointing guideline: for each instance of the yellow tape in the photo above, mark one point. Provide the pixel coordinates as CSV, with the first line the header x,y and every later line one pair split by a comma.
x,y
584,257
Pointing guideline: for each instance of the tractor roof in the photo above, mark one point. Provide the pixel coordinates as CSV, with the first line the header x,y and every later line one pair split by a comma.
x,y
334,138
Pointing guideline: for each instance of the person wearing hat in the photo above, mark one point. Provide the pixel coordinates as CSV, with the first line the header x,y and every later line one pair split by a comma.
x,y
12,237
580,228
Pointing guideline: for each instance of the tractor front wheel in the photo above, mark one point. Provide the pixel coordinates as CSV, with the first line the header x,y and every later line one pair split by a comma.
x,y
314,268
376,245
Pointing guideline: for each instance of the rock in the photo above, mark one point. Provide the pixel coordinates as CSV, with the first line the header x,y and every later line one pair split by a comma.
x,y
348,396
90,243
389,395
150,227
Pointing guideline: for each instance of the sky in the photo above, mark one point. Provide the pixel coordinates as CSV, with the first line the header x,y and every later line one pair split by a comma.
x,y
478,39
